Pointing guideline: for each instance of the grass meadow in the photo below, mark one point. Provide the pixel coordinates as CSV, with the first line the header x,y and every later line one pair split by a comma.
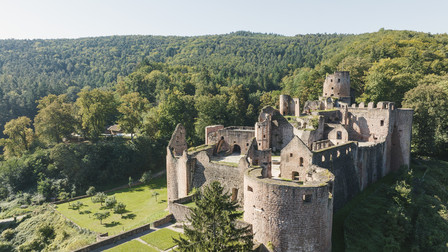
x,y
141,208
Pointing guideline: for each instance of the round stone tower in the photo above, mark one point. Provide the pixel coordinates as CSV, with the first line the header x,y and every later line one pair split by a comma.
x,y
288,215
337,85
284,104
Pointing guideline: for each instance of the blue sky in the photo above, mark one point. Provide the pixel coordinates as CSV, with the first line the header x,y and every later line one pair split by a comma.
x,y
27,19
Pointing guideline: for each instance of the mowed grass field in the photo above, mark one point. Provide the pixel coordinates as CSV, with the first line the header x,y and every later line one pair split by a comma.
x,y
160,240
141,208
134,246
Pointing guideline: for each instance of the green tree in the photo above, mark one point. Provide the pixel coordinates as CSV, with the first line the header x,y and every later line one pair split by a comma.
x,y
304,83
77,205
120,208
146,177
63,195
155,195
388,80
132,108
73,192
55,119
430,123
211,110
96,108
46,188
175,107
110,202
99,198
358,67
101,216
236,107
91,191
20,136
213,226
130,182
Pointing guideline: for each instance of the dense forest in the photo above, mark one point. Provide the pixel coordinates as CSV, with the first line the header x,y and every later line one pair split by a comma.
x,y
58,96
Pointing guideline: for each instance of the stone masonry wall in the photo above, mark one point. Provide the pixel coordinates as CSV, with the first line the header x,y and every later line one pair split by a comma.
x,y
355,167
240,136
337,85
291,217
339,160
180,211
295,157
230,177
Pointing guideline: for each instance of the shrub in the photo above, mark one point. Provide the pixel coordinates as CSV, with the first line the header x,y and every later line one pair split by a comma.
x,y
8,234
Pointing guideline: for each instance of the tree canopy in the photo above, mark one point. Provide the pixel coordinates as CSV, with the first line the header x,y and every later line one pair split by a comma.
x,y
213,224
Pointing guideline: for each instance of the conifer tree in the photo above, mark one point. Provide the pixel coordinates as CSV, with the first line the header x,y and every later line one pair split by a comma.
x,y
213,226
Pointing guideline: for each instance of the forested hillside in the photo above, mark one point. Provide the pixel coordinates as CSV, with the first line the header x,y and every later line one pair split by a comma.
x,y
31,69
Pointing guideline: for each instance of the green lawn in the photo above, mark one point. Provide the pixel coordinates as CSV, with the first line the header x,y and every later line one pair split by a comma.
x,y
161,239
142,209
134,246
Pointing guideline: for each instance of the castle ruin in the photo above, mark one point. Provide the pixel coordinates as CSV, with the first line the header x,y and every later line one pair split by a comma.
x,y
295,167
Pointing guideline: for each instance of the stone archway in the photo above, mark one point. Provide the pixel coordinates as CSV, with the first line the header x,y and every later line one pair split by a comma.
x,y
236,149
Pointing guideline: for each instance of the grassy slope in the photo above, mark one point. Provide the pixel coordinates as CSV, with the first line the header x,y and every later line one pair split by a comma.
x,y
407,213
67,237
141,206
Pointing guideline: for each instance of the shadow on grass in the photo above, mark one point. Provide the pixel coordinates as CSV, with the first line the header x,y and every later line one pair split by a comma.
x,y
162,201
85,212
112,224
138,190
129,216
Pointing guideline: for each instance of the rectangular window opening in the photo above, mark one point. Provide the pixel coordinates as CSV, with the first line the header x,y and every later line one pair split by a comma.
x,y
307,198
338,134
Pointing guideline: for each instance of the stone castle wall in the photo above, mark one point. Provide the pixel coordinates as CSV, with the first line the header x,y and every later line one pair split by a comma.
x,y
290,217
296,159
354,167
231,178
232,136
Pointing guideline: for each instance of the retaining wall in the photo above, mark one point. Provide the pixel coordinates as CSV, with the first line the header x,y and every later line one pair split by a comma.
x,y
124,235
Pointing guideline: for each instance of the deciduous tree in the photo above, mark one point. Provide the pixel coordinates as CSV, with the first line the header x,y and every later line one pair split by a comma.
x,y
55,119
120,208
430,123
101,216
131,109
20,136
96,108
